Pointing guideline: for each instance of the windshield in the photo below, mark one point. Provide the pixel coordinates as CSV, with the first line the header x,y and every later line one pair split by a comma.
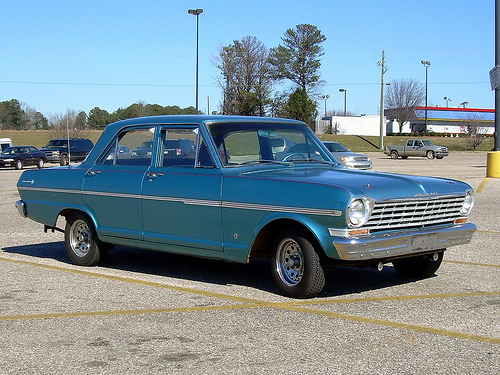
x,y
57,143
13,151
336,147
244,143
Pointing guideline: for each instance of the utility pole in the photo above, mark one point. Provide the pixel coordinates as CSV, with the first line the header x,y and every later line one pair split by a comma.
x,y
382,85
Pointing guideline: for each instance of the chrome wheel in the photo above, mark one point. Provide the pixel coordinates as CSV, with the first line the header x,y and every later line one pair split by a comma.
x,y
290,262
297,268
82,243
80,238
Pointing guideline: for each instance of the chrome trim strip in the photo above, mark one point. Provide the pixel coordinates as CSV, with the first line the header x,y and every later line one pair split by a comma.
x,y
199,202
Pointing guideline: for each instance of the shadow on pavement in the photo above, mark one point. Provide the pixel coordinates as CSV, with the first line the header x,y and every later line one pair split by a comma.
x,y
340,280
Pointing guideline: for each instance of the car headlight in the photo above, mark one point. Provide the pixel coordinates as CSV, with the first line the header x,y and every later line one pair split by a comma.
x,y
9,160
358,211
468,203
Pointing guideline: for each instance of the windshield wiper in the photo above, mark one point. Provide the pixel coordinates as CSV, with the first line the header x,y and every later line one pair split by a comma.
x,y
315,161
264,161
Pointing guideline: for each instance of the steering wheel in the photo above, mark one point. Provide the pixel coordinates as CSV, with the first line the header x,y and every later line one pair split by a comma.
x,y
294,154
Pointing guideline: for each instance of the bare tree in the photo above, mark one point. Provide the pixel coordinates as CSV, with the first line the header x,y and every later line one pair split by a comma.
x,y
401,99
475,132
245,79
66,124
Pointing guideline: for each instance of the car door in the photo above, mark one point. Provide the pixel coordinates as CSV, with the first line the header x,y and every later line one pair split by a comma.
x,y
181,198
28,156
112,188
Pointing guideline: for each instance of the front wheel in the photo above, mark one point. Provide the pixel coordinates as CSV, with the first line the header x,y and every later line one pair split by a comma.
x,y
63,160
430,154
297,268
19,164
40,163
419,267
82,244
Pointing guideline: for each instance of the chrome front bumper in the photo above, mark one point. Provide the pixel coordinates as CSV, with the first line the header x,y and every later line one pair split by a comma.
x,y
21,208
401,244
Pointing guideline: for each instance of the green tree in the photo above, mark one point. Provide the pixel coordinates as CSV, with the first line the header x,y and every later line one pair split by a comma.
x,y
300,107
12,115
298,60
81,120
99,118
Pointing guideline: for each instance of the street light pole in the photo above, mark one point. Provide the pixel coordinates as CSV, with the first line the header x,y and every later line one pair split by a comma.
x,y
196,12
345,100
325,98
447,100
426,64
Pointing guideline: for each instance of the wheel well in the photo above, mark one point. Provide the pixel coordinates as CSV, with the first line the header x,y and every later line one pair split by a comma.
x,y
262,244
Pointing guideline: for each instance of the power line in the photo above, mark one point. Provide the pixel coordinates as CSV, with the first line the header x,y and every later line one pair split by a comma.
x,y
101,84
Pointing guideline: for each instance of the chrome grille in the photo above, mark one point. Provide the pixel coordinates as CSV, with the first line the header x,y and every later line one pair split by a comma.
x,y
415,213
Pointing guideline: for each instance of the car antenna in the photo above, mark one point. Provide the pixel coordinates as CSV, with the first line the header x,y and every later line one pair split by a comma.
x,y
67,134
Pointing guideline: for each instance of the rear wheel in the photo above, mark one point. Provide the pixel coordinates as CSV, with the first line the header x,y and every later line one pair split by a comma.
x,y
394,154
297,267
419,267
430,154
82,244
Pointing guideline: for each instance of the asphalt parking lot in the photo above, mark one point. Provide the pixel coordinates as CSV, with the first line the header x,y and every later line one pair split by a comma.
x,y
147,312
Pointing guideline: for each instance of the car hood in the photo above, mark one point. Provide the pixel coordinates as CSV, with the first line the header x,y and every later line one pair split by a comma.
x,y
341,154
376,185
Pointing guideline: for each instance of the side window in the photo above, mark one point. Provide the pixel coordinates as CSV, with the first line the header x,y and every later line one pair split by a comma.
x,y
409,143
134,147
178,147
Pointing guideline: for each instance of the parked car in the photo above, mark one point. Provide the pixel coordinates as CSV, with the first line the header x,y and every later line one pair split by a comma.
x,y
57,150
348,158
239,197
4,143
20,156
417,147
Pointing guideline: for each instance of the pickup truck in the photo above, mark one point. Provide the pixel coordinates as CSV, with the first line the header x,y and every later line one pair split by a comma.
x,y
417,147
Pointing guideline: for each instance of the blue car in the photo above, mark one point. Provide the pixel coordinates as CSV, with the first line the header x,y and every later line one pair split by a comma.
x,y
251,187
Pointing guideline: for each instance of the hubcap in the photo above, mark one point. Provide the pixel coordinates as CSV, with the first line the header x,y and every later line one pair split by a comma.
x,y
290,262
80,238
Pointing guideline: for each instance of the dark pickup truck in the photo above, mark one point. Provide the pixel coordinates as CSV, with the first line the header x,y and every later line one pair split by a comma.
x,y
57,150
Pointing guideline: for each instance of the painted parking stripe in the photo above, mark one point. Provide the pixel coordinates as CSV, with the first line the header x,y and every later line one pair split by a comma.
x,y
253,303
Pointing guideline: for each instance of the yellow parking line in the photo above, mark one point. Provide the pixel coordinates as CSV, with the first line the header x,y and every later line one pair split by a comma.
x,y
382,299
473,264
80,314
488,231
254,303
482,185
388,323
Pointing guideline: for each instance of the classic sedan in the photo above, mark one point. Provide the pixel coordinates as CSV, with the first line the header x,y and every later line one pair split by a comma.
x,y
348,158
246,192
19,156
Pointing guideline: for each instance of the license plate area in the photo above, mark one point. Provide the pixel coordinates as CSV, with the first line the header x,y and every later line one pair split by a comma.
x,y
424,242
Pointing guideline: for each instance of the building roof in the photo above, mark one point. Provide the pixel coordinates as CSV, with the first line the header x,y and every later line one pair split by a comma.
x,y
455,114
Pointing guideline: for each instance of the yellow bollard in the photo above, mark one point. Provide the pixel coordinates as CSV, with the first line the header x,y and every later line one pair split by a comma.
x,y
493,164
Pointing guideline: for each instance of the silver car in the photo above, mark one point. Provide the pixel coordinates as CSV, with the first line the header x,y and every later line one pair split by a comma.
x,y
348,158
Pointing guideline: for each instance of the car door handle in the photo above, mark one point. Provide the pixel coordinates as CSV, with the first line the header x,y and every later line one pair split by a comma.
x,y
92,173
153,176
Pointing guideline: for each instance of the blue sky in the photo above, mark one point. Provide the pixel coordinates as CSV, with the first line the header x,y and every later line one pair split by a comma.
x,y
70,54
